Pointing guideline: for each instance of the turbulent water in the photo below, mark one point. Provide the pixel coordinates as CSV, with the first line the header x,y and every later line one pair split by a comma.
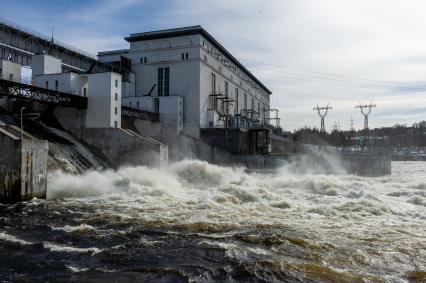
x,y
195,222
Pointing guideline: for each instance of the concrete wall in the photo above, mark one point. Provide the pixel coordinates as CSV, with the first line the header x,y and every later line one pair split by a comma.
x,y
122,147
34,168
104,100
43,64
23,168
171,114
10,71
10,163
65,82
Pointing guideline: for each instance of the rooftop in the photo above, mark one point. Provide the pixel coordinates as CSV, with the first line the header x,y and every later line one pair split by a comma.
x,y
193,30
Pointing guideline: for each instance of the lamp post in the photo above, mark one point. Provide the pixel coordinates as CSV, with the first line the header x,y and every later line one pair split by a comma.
x,y
22,124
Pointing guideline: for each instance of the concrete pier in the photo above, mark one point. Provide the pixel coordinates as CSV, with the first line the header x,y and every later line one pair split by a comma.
x,y
23,167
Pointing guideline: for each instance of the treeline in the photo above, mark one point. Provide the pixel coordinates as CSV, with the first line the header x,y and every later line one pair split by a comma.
x,y
398,136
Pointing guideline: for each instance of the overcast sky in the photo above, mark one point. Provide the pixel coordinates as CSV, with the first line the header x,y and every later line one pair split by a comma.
x,y
340,52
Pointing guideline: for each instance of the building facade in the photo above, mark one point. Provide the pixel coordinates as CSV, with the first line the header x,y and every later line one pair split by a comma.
x,y
216,90
103,90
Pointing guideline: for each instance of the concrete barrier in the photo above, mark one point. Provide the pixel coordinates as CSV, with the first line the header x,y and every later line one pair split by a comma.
x,y
23,167
124,147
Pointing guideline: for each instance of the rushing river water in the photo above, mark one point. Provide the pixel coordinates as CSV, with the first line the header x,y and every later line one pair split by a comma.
x,y
196,222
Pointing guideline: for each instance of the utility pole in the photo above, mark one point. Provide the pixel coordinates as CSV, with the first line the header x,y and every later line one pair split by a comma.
x,y
366,111
322,112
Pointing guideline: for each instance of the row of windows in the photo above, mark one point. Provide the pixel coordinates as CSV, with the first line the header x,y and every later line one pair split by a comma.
x,y
213,85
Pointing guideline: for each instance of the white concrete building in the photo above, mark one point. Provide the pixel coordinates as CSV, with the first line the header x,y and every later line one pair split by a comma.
x,y
189,64
103,90
10,71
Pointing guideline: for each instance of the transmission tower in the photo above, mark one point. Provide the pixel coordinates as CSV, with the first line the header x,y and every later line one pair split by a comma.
x,y
352,125
322,112
366,111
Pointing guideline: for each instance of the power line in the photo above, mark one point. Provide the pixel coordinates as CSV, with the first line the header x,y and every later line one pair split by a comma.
x,y
335,80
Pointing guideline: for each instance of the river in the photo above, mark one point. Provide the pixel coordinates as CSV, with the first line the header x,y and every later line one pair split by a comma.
x,y
197,222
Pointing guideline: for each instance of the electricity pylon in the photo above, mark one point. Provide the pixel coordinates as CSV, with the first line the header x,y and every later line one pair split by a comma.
x,y
366,113
322,112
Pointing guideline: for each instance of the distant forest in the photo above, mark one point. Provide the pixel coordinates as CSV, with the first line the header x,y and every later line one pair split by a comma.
x,y
398,136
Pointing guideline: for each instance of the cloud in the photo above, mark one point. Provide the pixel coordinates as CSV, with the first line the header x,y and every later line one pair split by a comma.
x,y
336,51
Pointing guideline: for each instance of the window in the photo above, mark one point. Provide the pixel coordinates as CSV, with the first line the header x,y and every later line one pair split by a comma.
x,y
116,83
236,101
145,60
56,85
258,108
116,96
10,77
225,105
141,61
245,101
115,124
163,81
137,104
84,92
47,84
213,83
187,56
115,111
183,56
252,104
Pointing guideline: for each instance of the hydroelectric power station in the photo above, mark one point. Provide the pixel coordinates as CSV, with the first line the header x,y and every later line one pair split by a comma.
x,y
173,94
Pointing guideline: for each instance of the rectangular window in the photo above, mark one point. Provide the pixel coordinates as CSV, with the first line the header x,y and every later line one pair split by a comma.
x,y
116,83
84,92
226,95
137,104
141,61
163,81
252,104
116,96
10,77
145,60
213,83
56,85
245,101
258,108
187,56
183,56
236,101
115,111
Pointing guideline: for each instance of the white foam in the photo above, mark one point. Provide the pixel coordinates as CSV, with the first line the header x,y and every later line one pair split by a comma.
x,y
69,249
10,238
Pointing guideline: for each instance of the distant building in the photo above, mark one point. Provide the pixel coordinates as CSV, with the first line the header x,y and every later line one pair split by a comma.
x,y
191,80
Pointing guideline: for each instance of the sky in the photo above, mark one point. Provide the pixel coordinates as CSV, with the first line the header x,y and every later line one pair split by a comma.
x,y
308,52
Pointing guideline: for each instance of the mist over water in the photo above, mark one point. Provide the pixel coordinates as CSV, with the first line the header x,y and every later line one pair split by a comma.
x,y
197,222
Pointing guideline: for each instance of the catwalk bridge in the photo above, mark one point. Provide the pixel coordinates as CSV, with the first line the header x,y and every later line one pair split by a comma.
x,y
29,92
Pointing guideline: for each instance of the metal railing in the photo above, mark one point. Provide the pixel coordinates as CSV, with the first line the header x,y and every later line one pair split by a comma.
x,y
46,38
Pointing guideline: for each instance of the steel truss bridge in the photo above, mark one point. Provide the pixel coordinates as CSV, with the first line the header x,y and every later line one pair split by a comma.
x,y
42,95
46,96
133,113
18,44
